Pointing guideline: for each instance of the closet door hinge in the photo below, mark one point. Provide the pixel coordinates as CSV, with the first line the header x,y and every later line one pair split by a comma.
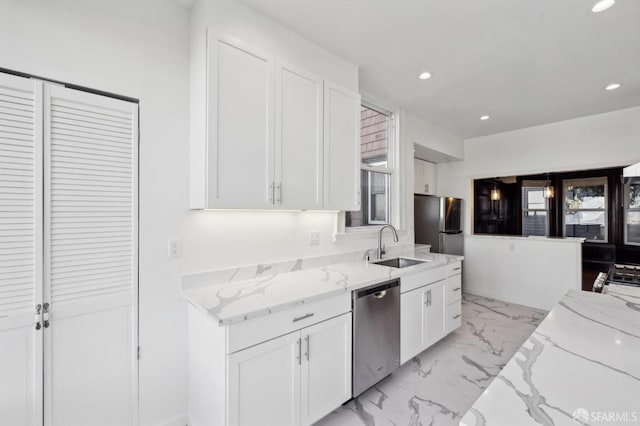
x,y
138,353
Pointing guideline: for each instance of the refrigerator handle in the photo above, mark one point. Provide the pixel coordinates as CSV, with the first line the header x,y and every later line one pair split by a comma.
x,y
441,238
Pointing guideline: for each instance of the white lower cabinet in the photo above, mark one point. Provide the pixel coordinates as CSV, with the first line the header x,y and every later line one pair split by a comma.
x,y
295,379
430,312
422,320
453,300
326,367
412,335
288,368
434,313
264,383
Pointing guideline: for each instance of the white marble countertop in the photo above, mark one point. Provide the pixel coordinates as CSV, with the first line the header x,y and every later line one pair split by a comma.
x,y
529,238
235,301
580,366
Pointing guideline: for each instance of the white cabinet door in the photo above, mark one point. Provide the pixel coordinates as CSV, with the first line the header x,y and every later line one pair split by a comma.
x,y
264,383
20,250
240,140
424,177
412,322
418,175
434,324
326,367
299,152
90,259
341,148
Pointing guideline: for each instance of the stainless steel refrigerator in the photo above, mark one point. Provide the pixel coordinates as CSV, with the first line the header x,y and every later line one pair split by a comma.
x,y
438,222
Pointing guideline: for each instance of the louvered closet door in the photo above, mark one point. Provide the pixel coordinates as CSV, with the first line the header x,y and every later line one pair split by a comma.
x,y
90,157
20,250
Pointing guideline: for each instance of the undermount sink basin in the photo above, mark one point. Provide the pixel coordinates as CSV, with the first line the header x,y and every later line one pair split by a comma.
x,y
398,262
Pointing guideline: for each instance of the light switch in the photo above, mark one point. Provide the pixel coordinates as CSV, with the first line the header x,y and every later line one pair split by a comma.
x,y
174,248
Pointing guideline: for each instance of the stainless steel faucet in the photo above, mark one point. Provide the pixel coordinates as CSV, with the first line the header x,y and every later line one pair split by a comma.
x,y
380,247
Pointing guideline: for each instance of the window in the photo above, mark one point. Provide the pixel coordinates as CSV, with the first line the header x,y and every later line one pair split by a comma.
x,y
632,212
535,209
585,209
376,171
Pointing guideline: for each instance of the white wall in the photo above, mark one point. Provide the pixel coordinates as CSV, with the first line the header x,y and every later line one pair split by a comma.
x,y
138,49
598,141
444,145
141,49
529,271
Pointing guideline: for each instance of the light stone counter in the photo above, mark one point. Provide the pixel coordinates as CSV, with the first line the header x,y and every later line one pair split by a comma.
x,y
230,301
580,366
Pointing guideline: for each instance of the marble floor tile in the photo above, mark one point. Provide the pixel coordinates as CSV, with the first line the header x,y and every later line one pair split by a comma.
x,y
438,386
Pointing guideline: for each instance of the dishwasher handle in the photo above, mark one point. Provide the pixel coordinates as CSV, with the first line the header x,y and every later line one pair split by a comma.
x,y
377,290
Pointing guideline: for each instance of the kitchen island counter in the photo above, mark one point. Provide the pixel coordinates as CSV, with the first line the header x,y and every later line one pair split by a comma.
x,y
580,366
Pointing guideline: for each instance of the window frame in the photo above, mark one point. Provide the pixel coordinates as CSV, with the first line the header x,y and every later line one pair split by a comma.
x,y
593,181
626,209
547,209
390,170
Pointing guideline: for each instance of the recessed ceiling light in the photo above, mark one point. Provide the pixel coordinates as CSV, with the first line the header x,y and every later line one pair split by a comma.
x,y
613,86
425,75
484,117
603,5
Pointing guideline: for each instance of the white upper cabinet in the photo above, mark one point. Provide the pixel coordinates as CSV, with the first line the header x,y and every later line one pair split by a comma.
x,y
272,135
240,147
341,148
425,177
298,159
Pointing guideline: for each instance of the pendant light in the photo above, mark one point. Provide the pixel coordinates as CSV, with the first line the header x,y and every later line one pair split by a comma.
x,y
495,193
548,188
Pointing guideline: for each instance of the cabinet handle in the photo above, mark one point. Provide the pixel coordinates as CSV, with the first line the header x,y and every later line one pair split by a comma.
x,y
456,289
306,339
457,316
299,356
38,316
271,193
305,316
278,192
45,315
457,269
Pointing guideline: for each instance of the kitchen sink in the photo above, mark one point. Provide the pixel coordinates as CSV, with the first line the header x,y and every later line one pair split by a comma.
x,y
399,262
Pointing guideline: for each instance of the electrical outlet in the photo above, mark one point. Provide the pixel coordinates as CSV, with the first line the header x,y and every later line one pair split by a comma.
x,y
174,248
314,238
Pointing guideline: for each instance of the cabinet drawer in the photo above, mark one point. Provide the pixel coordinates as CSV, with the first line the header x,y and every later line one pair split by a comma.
x,y
247,333
454,289
453,316
454,268
419,279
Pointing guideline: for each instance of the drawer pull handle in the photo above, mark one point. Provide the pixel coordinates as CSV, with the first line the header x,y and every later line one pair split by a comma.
x,y
456,289
457,316
457,269
302,317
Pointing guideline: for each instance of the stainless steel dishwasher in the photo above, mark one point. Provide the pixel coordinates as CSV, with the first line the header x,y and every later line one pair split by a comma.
x,y
376,334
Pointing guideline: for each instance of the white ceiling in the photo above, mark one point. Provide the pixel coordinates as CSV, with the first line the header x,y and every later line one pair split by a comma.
x,y
524,63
